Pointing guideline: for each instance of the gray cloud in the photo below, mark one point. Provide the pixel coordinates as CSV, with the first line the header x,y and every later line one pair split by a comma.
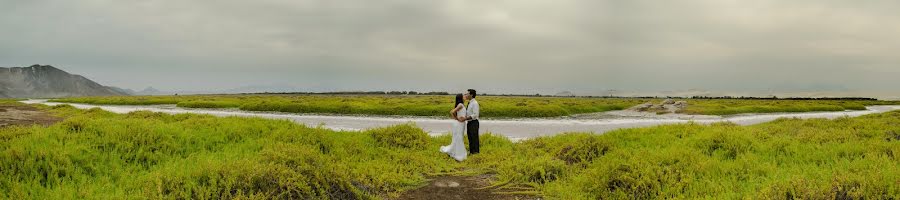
x,y
501,46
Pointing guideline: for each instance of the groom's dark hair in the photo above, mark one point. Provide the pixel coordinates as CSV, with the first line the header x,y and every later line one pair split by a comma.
x,y
472,92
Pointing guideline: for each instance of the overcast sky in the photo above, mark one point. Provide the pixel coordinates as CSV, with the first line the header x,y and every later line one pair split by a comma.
x,y
526,46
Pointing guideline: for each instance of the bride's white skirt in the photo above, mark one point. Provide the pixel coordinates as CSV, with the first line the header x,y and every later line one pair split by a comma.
x,y
457,148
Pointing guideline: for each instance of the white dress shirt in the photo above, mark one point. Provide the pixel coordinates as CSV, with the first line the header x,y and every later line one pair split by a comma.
x,y
473,109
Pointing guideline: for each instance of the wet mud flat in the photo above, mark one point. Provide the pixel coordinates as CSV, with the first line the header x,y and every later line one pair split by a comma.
x,y
13,114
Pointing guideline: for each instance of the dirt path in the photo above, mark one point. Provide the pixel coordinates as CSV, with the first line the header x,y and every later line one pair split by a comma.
x,y
13,114
460,188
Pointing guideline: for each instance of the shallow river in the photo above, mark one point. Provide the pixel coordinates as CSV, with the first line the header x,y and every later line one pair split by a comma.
x,y
515,129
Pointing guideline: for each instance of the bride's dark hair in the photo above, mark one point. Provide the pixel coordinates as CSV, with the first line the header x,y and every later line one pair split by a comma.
x,y
459,100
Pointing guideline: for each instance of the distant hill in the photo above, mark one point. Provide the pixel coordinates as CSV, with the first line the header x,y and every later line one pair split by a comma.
x,y
564,94
152,91
123,90
45,81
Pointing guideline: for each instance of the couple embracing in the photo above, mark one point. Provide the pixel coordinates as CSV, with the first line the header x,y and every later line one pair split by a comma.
x,y
466,121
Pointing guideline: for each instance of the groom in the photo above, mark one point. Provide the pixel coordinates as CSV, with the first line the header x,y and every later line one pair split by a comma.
x,y
472,126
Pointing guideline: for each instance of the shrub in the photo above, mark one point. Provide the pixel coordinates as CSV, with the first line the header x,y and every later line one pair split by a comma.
x,y
403,135
584,151
250,179
75,124
540,170
837,188
728,142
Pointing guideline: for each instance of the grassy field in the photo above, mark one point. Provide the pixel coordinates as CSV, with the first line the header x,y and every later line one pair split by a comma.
x,y
492,106
733,106
100,155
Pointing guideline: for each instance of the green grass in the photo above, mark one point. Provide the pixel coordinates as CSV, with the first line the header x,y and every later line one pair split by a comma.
x,y
208,104
126,100
5,100
492,106
733,106
810,159
100,155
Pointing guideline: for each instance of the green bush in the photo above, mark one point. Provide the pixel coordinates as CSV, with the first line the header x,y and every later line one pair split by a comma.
x,y
539,170
839,187
403,135
585,150
726,143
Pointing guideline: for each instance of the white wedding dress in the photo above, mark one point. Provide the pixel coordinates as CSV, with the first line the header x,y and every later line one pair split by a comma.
x,y
457,148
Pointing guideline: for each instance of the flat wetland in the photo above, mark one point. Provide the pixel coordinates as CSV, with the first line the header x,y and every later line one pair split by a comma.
x,y
494,106
95,154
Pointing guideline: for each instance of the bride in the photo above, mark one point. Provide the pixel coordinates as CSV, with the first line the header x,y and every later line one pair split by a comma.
x,y
457,149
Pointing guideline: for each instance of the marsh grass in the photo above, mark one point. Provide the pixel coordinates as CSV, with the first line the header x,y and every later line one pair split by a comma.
x,y
494,107
733,106
95,154
99,155
208,104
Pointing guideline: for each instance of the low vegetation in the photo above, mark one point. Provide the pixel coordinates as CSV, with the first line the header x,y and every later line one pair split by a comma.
x,y
492,106
100,155
734,106
409,105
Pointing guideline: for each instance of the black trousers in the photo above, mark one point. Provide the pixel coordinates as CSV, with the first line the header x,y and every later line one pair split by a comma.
x,y
472,132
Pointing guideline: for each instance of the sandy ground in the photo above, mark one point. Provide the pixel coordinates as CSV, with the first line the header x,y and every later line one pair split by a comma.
x,y
24,115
